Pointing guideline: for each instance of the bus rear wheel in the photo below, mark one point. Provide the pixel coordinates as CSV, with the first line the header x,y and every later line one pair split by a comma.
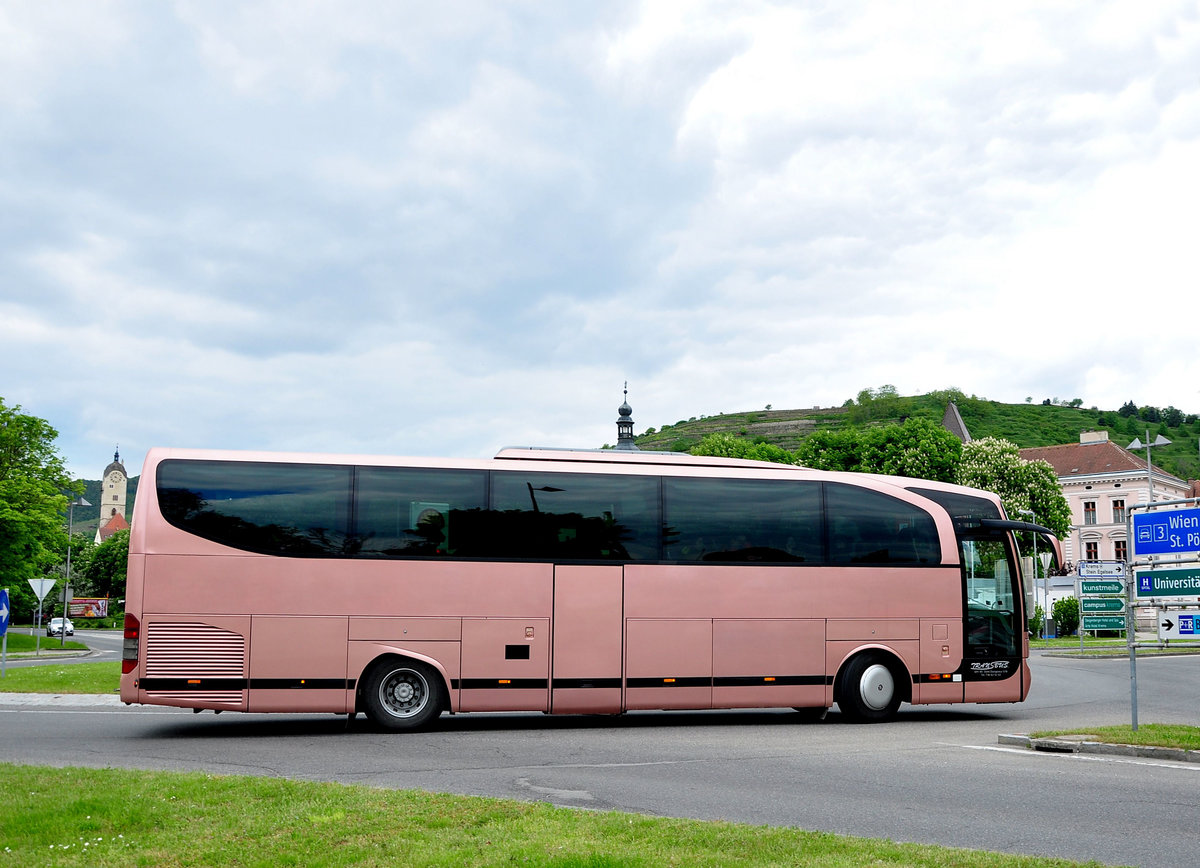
x,y
401,695
868,692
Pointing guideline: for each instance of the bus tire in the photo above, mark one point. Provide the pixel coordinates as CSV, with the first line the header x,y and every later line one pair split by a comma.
x,y
869,690
401,695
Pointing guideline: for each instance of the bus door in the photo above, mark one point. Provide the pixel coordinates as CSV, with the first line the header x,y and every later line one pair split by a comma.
x,y
586,662
993,644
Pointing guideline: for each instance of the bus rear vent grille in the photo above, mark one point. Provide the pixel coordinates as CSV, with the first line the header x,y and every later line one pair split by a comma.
x,y
196,651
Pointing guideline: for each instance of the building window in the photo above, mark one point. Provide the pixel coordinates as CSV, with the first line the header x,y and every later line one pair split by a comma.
x,y
1119,550
1089,512
1118,511
1091,551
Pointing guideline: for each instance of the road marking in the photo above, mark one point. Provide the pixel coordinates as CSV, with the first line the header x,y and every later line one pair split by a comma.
x,y
1087,757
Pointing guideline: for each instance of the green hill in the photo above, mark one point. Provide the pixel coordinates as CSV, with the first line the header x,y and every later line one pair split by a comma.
x,y
1024,424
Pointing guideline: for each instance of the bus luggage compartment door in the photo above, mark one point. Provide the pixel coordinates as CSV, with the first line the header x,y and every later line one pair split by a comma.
x,y
505,664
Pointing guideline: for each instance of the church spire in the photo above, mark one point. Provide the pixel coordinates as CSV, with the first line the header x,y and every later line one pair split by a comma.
x,y
625,423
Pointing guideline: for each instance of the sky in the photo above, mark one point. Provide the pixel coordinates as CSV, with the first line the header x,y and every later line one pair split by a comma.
x,y
441,229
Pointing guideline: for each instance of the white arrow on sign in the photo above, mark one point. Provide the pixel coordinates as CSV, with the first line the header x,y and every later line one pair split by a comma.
x,y
3,611
41,587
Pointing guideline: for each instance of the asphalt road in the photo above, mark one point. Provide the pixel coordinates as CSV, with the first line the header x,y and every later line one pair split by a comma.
x,y
935,775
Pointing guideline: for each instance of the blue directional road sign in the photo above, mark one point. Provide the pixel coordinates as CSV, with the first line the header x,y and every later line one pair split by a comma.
x,y
3,611
1166,531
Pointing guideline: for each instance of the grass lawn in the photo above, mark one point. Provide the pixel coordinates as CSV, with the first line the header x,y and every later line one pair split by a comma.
x,y
63,678
22,642
1147,735
100,817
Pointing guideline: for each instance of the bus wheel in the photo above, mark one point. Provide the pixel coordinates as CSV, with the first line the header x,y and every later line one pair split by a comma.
x,y
868,692
402,694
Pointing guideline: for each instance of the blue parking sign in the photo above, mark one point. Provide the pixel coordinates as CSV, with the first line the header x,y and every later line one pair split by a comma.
x,y
1166,531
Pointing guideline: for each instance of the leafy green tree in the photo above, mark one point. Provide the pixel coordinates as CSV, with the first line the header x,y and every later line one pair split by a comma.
x,y
33,480
918,448
994,464
104,573
1037,621
725,445
1128,409
1066,616
832,450
1173,416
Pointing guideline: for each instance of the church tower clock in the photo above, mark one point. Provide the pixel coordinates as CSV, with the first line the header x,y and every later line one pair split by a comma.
x,y
113,489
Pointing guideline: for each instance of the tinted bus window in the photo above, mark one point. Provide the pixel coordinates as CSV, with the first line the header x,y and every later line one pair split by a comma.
x,y
571,516
868,527
405,511
287,509
960,505
742,520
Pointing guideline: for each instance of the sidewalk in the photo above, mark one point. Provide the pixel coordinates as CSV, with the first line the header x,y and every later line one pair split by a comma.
x,y
63,699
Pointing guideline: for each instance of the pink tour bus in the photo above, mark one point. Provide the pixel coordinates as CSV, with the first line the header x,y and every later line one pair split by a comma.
x,y
562,581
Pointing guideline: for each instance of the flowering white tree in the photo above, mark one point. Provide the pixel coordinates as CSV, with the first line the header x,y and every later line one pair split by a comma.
x,y
995,464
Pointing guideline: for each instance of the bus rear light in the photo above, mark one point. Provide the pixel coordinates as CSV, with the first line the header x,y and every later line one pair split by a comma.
x,y
129,648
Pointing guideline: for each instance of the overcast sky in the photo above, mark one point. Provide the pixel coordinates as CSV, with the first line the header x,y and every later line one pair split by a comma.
x,y
440,229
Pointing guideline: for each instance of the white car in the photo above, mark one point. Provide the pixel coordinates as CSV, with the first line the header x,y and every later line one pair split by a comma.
x,y
55,627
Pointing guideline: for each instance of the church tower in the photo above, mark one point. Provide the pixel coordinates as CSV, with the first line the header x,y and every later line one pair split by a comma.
x,y
625,424
113,487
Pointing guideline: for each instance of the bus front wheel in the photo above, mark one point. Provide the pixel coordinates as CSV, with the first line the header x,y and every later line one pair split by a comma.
x,y
869,692
402,694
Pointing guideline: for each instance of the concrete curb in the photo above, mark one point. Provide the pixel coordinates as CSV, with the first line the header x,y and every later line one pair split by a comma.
x,y
65,700
1087,744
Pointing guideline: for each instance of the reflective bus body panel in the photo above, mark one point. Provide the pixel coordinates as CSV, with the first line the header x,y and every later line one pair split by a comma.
x,y
536,636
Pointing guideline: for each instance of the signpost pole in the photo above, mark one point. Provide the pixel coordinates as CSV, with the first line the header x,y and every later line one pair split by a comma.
x,y
1130,640
4,612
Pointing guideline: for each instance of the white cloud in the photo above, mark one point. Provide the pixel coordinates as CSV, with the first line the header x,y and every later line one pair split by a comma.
x,y
449,228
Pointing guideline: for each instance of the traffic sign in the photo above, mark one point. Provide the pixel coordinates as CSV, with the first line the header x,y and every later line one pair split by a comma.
x,y
1166,531
1101,586
4,611
1103,622
1102,569
1095,605
41,587
1180,582
1178,625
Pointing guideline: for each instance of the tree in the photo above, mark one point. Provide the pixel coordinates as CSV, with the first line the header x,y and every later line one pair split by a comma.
x,y
1173,416
994,464
1128,409
918,448
33,480
103,575
831,450
727,445
1066,616
1150,413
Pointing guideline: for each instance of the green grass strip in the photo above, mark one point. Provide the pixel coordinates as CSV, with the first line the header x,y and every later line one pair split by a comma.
x,y
63,678
1147,735
21,643
101,817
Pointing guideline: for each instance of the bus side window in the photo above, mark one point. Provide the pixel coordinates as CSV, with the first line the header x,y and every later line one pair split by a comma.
x,y
406,511
869,527
742,520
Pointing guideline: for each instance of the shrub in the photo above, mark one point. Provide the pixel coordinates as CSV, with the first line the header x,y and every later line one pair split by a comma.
x,y
1037,621
1066,616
